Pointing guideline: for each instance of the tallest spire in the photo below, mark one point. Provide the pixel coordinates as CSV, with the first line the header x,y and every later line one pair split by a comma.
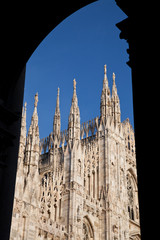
x,y
105,107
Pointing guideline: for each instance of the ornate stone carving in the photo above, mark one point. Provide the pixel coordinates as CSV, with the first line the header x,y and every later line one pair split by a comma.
x,y
72,184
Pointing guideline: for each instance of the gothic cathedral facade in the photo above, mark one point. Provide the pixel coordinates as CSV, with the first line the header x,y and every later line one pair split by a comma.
x,y
79,184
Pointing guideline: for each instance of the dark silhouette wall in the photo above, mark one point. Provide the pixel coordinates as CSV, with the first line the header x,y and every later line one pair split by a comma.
x,y
139,30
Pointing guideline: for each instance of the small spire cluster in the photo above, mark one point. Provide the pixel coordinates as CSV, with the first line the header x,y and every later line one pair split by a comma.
x,y
110,105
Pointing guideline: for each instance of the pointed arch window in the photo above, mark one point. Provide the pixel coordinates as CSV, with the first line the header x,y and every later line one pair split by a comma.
x,y
132,197
87,232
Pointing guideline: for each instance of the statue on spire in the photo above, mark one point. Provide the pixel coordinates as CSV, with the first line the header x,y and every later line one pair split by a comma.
x,y
58,92
105,69
36,100
114,76
74,84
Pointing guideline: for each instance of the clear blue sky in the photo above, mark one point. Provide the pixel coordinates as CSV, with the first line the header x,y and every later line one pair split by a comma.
x,y
78,48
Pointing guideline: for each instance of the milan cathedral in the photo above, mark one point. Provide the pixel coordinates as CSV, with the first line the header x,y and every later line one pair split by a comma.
x,y
81,183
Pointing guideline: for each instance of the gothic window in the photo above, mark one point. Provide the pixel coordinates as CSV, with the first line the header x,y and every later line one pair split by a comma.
x,y
130,191
132,197
87,232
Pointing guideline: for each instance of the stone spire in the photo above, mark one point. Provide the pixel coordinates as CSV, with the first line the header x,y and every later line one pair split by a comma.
x,y
74,116
35,115
32,152
57,120
32,142
105,106
116,112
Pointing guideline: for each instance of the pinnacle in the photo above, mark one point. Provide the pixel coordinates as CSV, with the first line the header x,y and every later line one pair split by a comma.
x,y
114,76
105,80
57,104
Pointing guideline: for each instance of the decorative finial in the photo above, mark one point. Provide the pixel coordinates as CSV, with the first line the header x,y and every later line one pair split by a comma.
x,y
105,72
36,100
74,84
105,69
58,91
114,76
